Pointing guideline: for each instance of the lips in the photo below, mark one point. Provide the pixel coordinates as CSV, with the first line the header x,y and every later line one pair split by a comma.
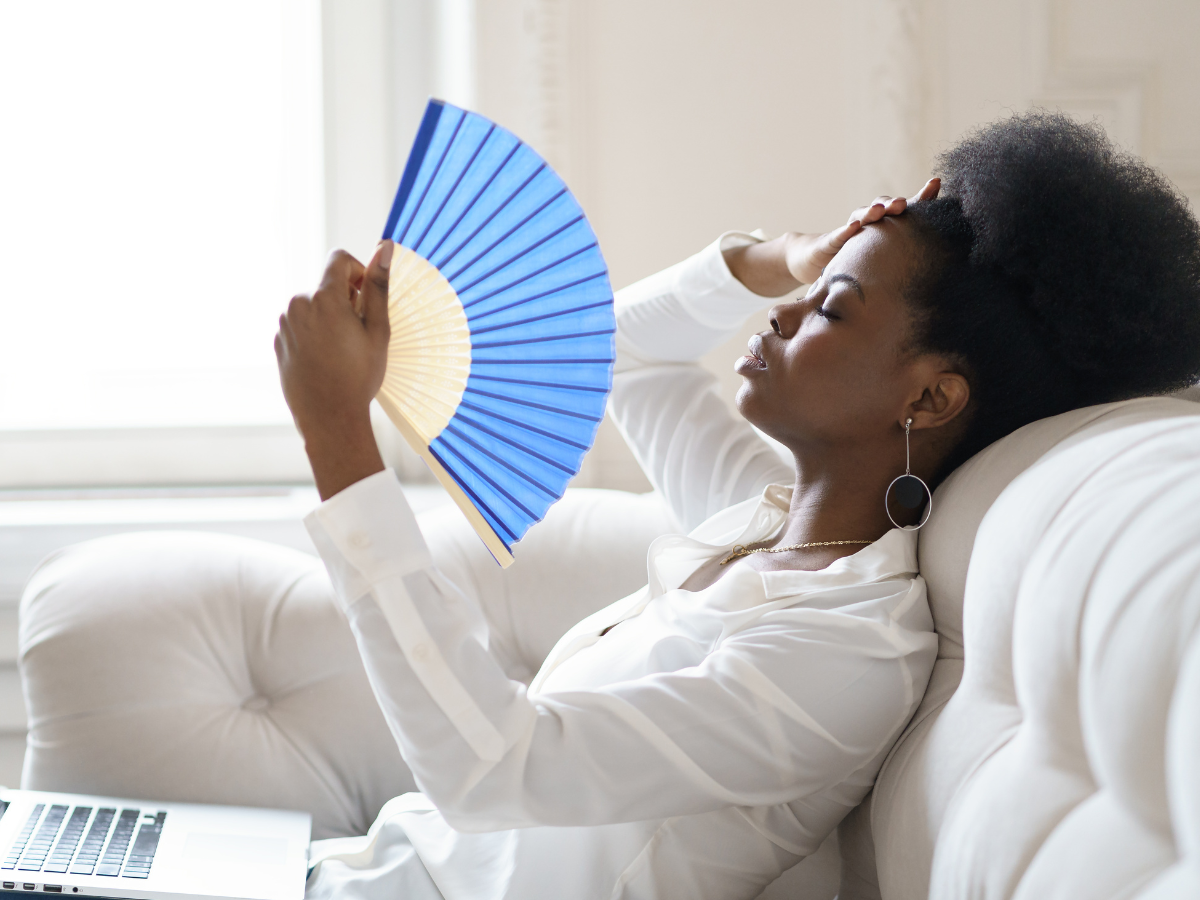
x,y
754,359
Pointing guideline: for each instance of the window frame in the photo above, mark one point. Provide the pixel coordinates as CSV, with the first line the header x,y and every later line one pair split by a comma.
x,y
372,82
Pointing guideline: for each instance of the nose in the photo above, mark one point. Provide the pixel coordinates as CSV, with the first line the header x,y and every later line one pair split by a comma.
x,y
785,318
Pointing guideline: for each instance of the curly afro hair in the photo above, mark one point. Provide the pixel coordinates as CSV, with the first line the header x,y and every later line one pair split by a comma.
x,y
1060,272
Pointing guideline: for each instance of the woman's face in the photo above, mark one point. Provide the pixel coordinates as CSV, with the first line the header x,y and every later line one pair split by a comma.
x,y
834,368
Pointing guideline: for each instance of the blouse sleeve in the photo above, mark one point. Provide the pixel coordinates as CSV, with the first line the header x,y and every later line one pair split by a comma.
x,y
700,455
786,707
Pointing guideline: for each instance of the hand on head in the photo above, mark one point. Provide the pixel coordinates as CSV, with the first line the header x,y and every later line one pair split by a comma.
x,y
777,267
808,254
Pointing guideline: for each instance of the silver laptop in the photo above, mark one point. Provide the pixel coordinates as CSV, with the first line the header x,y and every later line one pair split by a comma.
x,y
86,846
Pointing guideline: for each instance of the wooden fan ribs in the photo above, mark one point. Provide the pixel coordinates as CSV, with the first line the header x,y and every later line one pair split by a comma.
x,y
429,355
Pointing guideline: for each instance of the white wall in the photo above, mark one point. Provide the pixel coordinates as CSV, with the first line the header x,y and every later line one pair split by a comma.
x,y
674,120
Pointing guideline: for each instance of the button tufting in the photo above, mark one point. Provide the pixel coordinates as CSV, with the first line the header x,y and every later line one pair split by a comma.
x,y
420,652
257,703
360,539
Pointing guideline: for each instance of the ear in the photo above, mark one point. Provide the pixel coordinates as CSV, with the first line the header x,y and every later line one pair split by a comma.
x,y
942,400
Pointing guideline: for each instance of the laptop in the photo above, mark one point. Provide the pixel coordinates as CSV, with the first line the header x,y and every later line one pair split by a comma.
x,y
85,846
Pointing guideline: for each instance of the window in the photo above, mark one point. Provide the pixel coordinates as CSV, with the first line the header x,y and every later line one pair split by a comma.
x,y
174,172
162,198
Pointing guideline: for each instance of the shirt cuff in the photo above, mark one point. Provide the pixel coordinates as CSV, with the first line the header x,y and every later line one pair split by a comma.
x,y
366,534
709,291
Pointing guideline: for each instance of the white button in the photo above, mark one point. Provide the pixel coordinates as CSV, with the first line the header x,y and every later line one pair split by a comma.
x,y
360,539
420,652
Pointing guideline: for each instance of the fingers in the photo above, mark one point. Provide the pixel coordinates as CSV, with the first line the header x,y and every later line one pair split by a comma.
x,y
818,252
342,274
882,206
833,241
332,359
887,206
284,340
894,206
930,191
345,286
375,291
340,287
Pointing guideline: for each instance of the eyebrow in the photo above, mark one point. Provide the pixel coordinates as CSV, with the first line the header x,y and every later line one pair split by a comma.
x,y
850,280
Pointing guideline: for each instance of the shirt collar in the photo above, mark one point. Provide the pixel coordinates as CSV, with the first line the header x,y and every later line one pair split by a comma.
x,y
673,558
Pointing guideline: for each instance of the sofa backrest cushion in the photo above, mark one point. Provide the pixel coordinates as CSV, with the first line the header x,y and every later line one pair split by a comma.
x,y
888,845
1082,607
962,500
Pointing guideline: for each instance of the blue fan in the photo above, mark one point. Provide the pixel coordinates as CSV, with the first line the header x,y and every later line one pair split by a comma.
x,y
501,354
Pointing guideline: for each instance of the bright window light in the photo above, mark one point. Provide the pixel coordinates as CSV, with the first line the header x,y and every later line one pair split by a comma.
x,y
160,201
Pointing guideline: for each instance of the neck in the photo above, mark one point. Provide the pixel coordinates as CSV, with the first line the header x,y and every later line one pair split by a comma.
x,y
839,499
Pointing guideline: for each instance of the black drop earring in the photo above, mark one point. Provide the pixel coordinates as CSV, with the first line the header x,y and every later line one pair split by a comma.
x,y
909,490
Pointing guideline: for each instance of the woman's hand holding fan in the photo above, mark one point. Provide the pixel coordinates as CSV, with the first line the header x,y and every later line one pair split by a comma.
x,y
483,327
332,351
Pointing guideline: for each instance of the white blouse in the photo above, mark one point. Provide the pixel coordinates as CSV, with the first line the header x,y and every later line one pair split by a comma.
x,y
676,743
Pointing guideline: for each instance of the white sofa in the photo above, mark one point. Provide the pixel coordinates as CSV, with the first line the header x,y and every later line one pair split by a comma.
x,y
1056,752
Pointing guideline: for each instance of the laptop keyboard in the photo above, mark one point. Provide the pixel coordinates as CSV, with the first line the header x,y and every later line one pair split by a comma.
x,y
35,852
18,845
61,857
114,853
142,854
85,861
53,840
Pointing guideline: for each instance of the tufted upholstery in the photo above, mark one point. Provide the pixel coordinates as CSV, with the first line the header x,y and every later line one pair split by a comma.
x,y
889,843
1080,614
188,666
1063,764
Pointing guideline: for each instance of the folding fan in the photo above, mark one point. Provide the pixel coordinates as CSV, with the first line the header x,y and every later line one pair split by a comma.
x,y
501,353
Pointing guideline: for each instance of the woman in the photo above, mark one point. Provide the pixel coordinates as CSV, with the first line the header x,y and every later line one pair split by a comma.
x,y
702,735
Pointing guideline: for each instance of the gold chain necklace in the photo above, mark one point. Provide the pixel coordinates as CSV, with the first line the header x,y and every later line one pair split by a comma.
x,y
739,551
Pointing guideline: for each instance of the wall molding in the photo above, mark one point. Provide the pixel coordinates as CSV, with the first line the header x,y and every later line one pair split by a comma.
x,y
1115,93
1123,95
